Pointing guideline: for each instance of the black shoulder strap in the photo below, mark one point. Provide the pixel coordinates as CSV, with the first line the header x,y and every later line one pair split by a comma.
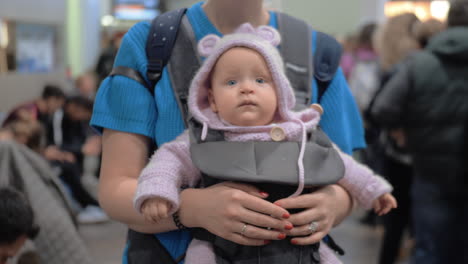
x,y
183,65
300,69
160,42
296,51
327,58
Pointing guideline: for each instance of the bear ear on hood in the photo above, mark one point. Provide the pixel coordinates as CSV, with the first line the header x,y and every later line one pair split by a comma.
x,y
206,45
269,34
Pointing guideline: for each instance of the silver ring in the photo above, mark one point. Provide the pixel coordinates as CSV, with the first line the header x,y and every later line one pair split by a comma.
x,y
243,229
313,226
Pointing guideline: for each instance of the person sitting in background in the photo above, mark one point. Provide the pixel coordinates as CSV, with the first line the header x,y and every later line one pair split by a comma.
x,y
69,141
52,99
16,223
28,133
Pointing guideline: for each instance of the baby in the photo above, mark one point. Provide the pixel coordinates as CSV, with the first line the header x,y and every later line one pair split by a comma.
x,y
241,94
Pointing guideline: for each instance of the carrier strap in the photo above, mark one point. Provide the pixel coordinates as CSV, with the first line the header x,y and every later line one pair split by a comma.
x,y
163,33
132,74
183,66
297,54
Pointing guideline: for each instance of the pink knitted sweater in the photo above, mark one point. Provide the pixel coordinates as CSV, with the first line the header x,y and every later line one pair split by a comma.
x,y
171,166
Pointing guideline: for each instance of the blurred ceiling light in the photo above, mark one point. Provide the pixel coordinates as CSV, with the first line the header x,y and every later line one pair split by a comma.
x,y
422,13
439,9
422,9
3,35
107,21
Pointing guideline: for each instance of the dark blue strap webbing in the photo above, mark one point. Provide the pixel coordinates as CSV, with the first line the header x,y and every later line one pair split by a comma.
x,y
161,38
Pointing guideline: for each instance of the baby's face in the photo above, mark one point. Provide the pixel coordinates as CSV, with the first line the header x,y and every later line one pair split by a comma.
x,y
242,89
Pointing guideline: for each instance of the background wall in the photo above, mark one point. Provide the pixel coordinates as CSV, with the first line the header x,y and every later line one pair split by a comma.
x,y
79,27
336,17
16,87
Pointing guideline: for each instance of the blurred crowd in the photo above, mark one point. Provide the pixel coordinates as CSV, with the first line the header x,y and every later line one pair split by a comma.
x,y
409,80
51,133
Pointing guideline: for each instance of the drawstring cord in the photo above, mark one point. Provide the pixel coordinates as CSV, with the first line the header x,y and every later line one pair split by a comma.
x,y
300,161
204,131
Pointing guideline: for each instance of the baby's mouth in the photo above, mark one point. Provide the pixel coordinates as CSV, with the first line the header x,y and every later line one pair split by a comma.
x,y
247,103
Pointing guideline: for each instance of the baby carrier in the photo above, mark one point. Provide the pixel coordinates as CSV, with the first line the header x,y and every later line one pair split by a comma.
x,y
175,41
272,167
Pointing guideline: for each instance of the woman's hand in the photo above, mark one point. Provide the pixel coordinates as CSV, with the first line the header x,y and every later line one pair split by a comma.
x,y
225,208
324,209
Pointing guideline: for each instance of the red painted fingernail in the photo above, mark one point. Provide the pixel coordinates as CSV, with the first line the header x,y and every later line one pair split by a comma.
x,y
266,242
294,242
264,194
286,215
277,203
288,227
281,236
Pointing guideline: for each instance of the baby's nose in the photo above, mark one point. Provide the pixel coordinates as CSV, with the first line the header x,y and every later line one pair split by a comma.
x,y
246,87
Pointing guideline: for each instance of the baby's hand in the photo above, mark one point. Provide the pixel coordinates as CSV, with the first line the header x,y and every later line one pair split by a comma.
x,y
155,209
384,204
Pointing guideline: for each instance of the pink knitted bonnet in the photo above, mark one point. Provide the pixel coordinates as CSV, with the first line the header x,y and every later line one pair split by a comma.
x,y
264,40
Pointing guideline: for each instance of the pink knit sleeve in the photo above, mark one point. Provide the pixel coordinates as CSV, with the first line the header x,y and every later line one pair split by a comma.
x,y
170,168
362,183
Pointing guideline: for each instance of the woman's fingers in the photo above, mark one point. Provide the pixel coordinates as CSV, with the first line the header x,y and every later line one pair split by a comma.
x,y
259,205
264,221
223,210
257,233
307,229
308,240
250,189
246,241
301,201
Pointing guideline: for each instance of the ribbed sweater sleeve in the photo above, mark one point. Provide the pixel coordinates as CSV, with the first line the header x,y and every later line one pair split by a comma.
x,y
121,103
361,182
341,120
169,168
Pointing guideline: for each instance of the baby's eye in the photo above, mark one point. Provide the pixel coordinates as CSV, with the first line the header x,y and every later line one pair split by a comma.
x,y
260,80
231,82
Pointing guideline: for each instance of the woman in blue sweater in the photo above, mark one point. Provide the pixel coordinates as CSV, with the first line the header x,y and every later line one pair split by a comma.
x,y
131,118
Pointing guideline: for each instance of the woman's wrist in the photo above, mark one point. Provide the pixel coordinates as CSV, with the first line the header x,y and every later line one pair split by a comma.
x,y
345,202
185,217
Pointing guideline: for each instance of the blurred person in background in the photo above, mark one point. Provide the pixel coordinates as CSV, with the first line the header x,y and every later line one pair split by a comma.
x,y
364,81
16,224
41,109
106,59
69,142
349,43
29,173
29,133
425,30
86,85
364,76
428,98
394,42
